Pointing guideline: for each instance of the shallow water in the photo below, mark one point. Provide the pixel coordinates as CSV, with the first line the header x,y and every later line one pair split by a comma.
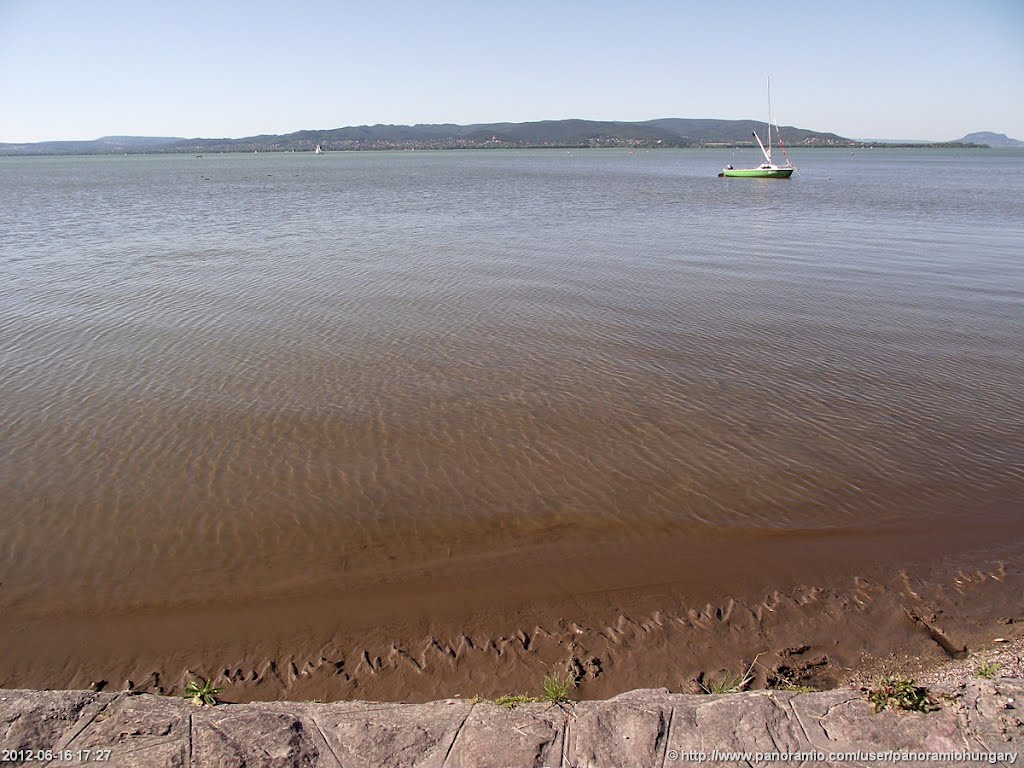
x,y
243,376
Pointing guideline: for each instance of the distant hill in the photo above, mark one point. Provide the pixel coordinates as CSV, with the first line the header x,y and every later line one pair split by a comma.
x,y
704,132
1000,140
108,145
665,132
668,132
671,132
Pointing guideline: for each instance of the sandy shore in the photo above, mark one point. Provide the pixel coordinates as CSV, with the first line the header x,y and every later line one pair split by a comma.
x,y
488,629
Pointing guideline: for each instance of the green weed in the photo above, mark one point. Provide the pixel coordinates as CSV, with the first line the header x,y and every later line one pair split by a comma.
x,y
202,693
988,671
730,682
513,700
900,693
727,683
556,689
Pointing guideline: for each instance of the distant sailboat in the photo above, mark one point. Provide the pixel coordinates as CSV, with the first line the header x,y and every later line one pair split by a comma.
x,y
767,169
318,151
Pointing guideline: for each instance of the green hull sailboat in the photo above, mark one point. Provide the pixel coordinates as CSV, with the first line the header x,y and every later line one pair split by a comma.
x,y
767,169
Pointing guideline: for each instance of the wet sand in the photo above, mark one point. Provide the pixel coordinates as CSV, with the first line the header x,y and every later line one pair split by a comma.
x,y
649,616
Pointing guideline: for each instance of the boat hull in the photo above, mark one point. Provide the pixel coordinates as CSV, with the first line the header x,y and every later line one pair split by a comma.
x,y
758,173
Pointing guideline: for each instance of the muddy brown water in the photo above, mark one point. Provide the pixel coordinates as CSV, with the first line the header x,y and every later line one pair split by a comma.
x,y
399,425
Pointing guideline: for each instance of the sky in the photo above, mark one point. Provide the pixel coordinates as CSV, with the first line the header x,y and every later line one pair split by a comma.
x,y
900,69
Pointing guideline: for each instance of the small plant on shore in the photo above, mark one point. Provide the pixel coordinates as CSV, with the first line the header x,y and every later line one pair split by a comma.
x,y
513,700
556,689
900,693
730,682
789,687
988,671
202,693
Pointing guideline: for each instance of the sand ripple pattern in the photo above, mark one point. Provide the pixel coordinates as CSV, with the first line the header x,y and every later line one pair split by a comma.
x,y
238,376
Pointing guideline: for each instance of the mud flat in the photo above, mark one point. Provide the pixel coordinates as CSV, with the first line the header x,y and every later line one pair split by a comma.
x,y
975,721
425,636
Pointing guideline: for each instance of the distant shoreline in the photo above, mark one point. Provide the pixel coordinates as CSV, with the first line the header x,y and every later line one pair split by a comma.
x,y
661,133
327,150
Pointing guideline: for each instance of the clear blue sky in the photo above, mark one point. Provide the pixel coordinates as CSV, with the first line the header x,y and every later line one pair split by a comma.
x,y
80,69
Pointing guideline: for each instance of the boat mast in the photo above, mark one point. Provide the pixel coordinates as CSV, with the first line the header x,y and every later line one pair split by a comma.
x,y
768,154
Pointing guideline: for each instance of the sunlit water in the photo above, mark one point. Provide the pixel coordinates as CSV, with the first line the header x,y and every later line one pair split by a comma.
x,y
235,375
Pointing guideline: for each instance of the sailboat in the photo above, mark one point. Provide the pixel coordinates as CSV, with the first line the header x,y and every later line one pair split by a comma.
x,y
767,169
318,151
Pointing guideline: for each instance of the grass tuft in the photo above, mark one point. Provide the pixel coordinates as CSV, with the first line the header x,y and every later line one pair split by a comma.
x,y
728,683
731,682
988,671
556,689
202,693
900,693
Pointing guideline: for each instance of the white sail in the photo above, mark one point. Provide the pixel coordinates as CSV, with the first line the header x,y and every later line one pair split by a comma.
x,y
766,152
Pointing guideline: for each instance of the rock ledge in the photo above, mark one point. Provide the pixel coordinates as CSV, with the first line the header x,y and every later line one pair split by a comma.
x,y
639,728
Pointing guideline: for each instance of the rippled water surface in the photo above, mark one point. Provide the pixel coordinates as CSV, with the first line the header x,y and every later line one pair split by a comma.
x,y
236,375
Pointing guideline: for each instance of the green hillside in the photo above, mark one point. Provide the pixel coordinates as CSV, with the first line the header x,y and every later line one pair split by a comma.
x,y
665,132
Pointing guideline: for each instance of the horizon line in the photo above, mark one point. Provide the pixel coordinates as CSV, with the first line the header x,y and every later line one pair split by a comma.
x,y
209,137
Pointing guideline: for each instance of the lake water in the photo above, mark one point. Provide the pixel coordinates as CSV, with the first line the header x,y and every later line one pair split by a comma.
x,y
244,376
